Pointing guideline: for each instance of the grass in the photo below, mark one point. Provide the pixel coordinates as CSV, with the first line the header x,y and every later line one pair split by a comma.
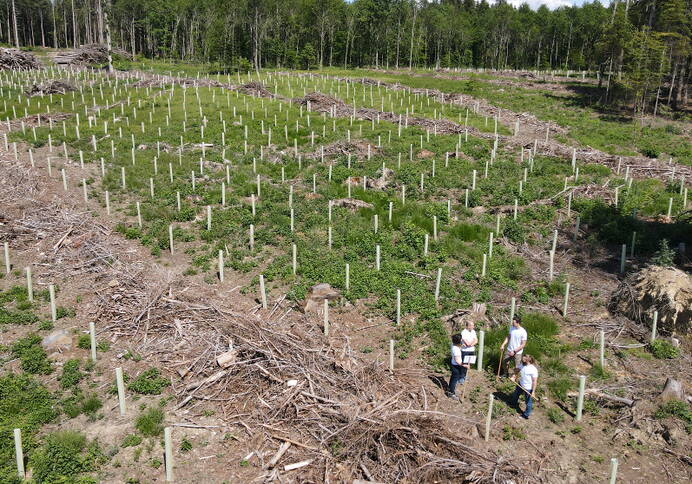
x,y
150,422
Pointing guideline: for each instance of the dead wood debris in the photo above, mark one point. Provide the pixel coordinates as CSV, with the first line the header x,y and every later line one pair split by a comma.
x,y
16,59
50,87
313,395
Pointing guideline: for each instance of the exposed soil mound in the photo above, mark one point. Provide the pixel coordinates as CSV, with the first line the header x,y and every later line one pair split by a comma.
x,y
51,87
255,89
18,60
664,289
316,101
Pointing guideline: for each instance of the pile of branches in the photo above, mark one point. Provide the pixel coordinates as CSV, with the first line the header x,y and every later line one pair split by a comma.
x,y
51,87
17,60
322,103
95,54
256,89
294,393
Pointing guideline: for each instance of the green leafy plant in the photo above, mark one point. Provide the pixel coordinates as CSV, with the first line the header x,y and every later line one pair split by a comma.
x,y
149,382
64,455
131,440
32,356
71,375
555,415
663,349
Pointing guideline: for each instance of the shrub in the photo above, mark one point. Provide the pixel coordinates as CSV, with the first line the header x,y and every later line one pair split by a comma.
x,y
32,356
150,422
64,456
665,256
149,383
71,375
560,386
663,350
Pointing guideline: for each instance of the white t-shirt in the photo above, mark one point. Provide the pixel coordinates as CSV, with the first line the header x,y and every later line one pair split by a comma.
x,y
526,373
516,336
456,353
467,335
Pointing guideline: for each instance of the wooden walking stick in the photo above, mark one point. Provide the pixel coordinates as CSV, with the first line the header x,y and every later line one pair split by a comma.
x,y
524,390
499,365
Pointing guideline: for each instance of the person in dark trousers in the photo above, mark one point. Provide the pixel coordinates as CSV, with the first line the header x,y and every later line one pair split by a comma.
x,y
528,381
456,364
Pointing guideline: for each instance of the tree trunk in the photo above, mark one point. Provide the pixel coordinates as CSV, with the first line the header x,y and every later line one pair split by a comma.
x,y
413,29
74,27
14,24
107,27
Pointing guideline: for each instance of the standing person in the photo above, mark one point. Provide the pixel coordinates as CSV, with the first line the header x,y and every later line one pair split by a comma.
x,y
456,364
515,342
528,381
469,340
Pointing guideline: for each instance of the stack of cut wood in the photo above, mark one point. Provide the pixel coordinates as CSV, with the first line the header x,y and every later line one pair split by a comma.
x,y
18,60
50,87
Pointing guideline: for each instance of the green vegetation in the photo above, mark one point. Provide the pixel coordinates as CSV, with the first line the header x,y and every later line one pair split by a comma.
x,y
555,415
150,422
131,440
149,382
512,433
64,456
677,409
663,349
32,356
26,404
71,375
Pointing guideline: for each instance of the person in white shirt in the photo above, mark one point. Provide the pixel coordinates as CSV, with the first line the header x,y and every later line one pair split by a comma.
x,y
456,364
515,342
528,381
469,340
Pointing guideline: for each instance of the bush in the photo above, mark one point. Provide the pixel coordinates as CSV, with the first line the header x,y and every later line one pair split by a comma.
x,y
64,456
32,356
71,375
150,422
663,350
149,383
665,256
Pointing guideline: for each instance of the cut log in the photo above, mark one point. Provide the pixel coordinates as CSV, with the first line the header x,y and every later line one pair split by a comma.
x,y
210,379
604,396
224,360
279,453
